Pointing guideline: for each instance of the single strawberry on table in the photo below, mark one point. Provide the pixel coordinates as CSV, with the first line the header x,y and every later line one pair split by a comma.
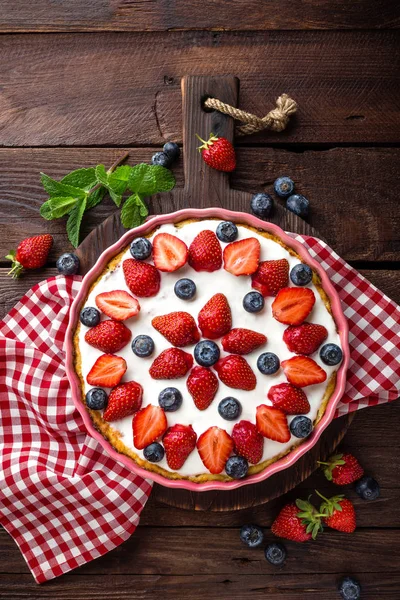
x,y
272,423
289,398
108,336
248,441
31,253
342,469
179,328
202,385
148,425
172,363
118,305
107,371
304,339
298,521
214,447
242,341
271,276
218,153
242,257
292,305
124,400
235,372
169,252
179,441
141,278
205,252
302,371
338,513
215,318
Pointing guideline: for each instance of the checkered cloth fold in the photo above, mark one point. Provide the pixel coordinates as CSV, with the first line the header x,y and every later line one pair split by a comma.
x,y
62,499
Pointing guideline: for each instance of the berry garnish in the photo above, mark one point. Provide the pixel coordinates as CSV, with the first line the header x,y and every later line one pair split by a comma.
x,y
169,252
268,363
339,513
108,336
218,153
261,205
293,305
205,252
305,338
235,372
172,150
142,279
148,425
248,441
118,305
271,276
299,205
90,316
124,400
301,427
242,257
301,274
272,423
143,346
154,452
172,363
170,399
331,354
302,371
107,371
368,488
214,446
298,521
185,289
290,399
141,248
342,469
237,467
215,318
68,264
227,231
242,341
96,398
179,442
284,187
161,159
230,409
206,353
275,554
350,589
179,328
252,535
253,302
202,385
31,253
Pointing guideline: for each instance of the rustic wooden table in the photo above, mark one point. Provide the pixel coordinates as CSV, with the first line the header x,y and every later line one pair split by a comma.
x,y
81,81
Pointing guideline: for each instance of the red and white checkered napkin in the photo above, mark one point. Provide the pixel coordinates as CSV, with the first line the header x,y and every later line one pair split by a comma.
x,y
63,500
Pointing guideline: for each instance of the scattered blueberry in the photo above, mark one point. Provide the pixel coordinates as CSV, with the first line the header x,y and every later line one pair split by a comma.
x,y
236,467
154,452
275,554
252,535
185,289
141,248
298,204
170,399
301,274
90,316
350,589
284,187
143,346
301,426
268,363
68,264
227,231
172,150
331,354
229,408
253,302
96,398
368,488
261,205
161,159
206,353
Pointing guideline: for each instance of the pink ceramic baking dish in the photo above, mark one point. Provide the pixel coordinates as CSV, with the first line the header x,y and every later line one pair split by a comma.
x,y
226,215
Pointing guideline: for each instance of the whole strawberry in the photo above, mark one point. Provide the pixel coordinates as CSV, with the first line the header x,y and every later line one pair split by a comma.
x,y
215,318
218,153
179,441
205,252
342,469
297,521
235,372
108,336
305,338
271,276
242,341
179,328
31,253
202,385
172,363
124,400
338,513
141,278
248,441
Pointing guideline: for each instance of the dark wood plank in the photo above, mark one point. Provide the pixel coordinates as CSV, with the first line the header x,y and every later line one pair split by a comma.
x,y
72,89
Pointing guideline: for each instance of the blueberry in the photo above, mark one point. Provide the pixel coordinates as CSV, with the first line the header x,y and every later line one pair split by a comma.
x,y
170,399
90,316
206,353
143,346
368,488
253,302
68,264
261,205
236,467
96,398
275,554
229,408
301,274
350,589
185,289
268,363
141,248
284,187
252,535
172,150
154,452
227,231
298,204
301,426
161,159
331,354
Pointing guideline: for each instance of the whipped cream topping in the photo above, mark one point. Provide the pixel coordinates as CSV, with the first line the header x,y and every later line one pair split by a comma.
x,y
166,302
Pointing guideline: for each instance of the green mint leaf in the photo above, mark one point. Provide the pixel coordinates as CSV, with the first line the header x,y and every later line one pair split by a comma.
x,y
143,210
131,212
164,177
81,178
95,198
101,175
117,198
115,186
118,179
147,180
57,206
75,220
56,188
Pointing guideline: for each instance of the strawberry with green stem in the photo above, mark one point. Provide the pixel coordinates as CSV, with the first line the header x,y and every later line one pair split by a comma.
x,y
218,153
342,469
31,253
338,513
298,521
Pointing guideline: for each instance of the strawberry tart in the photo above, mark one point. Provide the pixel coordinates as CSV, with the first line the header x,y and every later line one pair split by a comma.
x,y
206,350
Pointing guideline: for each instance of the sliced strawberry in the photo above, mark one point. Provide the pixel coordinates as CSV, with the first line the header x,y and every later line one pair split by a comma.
x,y
141,278
179,442
235,372
108,336
271,276
202,385
242,341
179,328
172,363
215,318
292,305
214,446
303,371
118,305
205,252
248,441
107,371
124,400
305,338
272,423
169,252
148,425
290,399
241,258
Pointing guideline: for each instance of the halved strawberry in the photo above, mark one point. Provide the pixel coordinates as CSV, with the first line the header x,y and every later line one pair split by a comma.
x,y
124,400
272,423
242,341
271,276
248,441
202,385
107,371
169,252
179,328
108,336
235,372
214,446
141,278
205,252
118,305
241,258
290,399
148,425
172,363
292,305
215,318
305,338
179,442
303,371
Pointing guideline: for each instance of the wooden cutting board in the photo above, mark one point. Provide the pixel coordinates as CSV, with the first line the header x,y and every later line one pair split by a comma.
x,y
205,187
